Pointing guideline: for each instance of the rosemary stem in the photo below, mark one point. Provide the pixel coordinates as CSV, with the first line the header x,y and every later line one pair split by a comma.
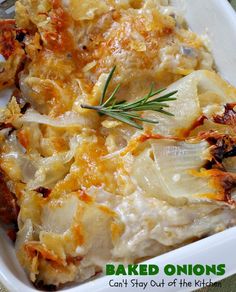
x,y
92,107
125,111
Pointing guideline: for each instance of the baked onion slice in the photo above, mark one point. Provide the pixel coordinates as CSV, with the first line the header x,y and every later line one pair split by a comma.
x,y
200,93
185,109
176,163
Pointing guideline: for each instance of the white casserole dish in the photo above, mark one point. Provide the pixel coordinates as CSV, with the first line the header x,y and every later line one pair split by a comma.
x,y
217,18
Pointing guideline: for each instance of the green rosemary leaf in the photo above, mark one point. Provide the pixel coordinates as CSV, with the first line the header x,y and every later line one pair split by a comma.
x,y
158,92
148,107
149,94
123,118
127,112
166,113
112,97
107,84
165,97
137,117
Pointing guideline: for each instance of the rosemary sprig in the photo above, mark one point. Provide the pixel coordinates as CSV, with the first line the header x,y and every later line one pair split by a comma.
x,y
126,112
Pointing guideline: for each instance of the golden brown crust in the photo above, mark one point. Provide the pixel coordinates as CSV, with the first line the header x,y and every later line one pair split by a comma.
x,y
12,51
7,37
8,206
